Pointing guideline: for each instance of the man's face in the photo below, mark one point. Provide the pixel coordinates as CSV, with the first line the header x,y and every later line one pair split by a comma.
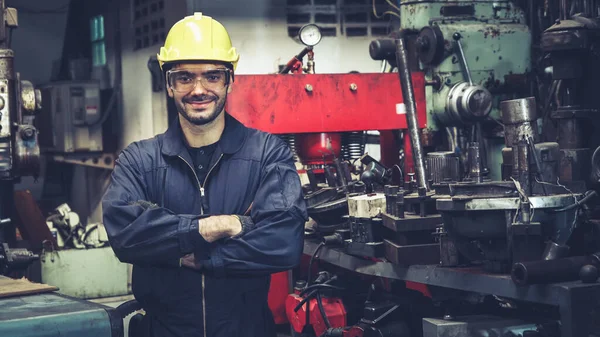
x,y
199,90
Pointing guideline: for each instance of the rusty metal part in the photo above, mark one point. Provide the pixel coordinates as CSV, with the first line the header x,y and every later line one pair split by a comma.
x,y
411,222
430,45
574,164
27,151
519,117
475,164
466,103
427,137
571,122
408,94
391,197
7,88
15,259
570,134
574,301
521,166
101,160
428,253
31,98
443,166
518,110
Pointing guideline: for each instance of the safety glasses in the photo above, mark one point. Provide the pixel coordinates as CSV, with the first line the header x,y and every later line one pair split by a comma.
x,y
184,81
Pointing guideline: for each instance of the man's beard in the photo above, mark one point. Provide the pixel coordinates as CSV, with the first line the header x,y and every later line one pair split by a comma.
x,y
219,104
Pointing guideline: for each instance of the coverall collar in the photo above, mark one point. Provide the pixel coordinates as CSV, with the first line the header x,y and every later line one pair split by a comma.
x,y
231,140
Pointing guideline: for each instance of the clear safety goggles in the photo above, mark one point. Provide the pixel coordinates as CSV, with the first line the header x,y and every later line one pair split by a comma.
x,y
184,81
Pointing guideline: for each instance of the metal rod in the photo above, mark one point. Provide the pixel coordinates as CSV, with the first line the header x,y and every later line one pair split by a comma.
x,y
551,271
408,95
461,55
3,28
563,9
475,168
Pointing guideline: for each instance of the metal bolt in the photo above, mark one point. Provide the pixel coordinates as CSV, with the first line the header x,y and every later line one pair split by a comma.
x,y
28,133
308,88
353,86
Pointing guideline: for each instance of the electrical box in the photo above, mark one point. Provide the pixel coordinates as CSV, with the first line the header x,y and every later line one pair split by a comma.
x,y
71,117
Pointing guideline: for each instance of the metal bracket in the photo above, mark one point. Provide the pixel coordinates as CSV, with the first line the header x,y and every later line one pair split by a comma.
x,y
100,160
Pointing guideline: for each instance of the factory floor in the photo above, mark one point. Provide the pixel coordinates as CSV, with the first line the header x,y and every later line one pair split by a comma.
x,y
282,331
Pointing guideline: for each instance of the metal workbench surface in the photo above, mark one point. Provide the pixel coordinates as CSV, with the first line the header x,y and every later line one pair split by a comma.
x,y
575,300
53,314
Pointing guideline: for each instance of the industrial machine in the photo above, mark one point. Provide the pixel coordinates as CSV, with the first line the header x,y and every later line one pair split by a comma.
x,y
19,147
29,308
72,117
483,206
479,217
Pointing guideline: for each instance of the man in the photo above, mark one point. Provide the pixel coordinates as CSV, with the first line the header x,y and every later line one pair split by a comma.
x,y
208,210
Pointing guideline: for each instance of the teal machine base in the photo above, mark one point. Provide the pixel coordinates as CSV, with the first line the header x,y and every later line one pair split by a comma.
x,y
53,315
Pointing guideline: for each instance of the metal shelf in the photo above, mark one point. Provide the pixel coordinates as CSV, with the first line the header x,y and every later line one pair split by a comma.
x,y
575,300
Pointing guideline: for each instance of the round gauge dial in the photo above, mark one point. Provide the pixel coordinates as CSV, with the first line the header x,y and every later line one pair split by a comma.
x,y
310,34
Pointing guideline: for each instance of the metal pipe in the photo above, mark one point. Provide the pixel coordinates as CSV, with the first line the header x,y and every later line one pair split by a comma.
x,y
411,110
551,271
563,9
475,168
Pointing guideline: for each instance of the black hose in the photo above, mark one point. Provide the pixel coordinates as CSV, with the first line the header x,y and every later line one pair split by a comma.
x,y
320,287
304,300
313,293
322,310
311,262
308,277
588,196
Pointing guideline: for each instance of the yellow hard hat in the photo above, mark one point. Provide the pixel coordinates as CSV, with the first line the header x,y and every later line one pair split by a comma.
x,y
198,38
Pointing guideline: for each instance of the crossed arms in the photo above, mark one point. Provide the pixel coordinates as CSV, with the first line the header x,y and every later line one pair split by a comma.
x,y
268,240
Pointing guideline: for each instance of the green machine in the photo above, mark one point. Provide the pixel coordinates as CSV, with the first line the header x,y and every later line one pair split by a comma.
x,y
474,55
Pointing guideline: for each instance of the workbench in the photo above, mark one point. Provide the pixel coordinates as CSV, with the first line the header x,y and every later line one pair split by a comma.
x,y
576,300
49,314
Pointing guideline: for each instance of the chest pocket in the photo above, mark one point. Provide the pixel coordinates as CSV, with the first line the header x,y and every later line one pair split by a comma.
x,y
232,186
174,188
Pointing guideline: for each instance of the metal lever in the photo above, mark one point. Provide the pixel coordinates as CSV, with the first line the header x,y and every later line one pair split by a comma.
x,y
408,95
461,54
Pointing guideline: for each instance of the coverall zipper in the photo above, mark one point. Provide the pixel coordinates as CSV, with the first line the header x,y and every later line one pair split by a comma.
x,y
201,187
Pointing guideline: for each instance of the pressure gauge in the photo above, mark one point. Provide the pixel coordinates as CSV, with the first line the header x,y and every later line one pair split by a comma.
x,y
310,34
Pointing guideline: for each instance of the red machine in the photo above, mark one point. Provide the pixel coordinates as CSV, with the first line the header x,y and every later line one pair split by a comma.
x,y
318,114
310,105
334,309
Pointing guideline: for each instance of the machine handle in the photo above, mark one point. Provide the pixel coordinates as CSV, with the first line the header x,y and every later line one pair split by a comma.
x,y
458,49
295,59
